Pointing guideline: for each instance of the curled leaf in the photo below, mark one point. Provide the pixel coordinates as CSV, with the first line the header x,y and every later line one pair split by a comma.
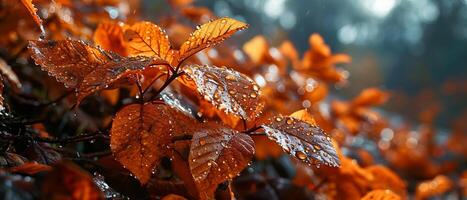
x,y
218,154
140,135
210,34
84,67
305,141
226,89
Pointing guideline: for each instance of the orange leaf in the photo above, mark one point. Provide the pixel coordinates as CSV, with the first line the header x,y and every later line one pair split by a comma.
x,y
226,89
140,135
381,195
210,34
370,97
30,168
431,188
218,154
304,115
68,182
109,36
173,197
33,11
257,49
84,67
304,141
148,39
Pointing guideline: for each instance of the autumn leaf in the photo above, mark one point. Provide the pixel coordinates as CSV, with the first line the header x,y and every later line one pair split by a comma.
x,y
381,195
148,39
218,154
86,68
305,141
109,36
210,34
33,12
30,168
9,74
432,188
67,181
370,97
1,93
140,135
226,89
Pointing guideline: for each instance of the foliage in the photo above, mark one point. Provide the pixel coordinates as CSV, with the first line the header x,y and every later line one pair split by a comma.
x,y
153,116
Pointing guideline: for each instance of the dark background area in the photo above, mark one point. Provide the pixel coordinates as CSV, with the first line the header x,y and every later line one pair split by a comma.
x,y
417,49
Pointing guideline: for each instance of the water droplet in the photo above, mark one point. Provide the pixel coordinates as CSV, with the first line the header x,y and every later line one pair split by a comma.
x,y
278,119
232,92
255,87
289,121
253,95
300,155
202,142
230,77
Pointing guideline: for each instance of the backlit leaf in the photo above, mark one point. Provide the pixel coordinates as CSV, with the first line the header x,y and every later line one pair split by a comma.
x,y
218,154
305,141
432,188
226,89
33,12
84,67
210,34
30,168
140,135
148,39
381,195
109,36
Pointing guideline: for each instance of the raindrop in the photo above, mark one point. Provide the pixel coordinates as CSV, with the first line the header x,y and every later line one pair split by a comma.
x,y
202,142
300,155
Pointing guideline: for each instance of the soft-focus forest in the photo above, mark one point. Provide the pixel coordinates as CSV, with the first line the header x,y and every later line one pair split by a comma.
x,y
263,99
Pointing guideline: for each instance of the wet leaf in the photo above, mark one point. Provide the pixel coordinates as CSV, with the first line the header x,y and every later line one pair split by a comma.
x,y
226,89
140,135
305,141
218,154
68,182
432,188
381,195
84,67
148,39
33,12
210,34
109,36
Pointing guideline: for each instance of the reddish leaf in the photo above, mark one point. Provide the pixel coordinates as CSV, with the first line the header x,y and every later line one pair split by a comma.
x,y
148,39
210,34
218,154
140,135
381,195
226,89
305,141
33,11
109,36
30,168
68,182
84,67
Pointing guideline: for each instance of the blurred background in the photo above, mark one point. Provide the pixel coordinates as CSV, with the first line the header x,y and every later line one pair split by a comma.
x,y
416,49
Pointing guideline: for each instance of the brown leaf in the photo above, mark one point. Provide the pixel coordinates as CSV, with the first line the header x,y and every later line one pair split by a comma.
x,y
305,141
218,154
9,74
68,182
226,89
1,93
384,178
30,168
210,34
140,135
33,11
381,195
109,36
148,39
84,67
